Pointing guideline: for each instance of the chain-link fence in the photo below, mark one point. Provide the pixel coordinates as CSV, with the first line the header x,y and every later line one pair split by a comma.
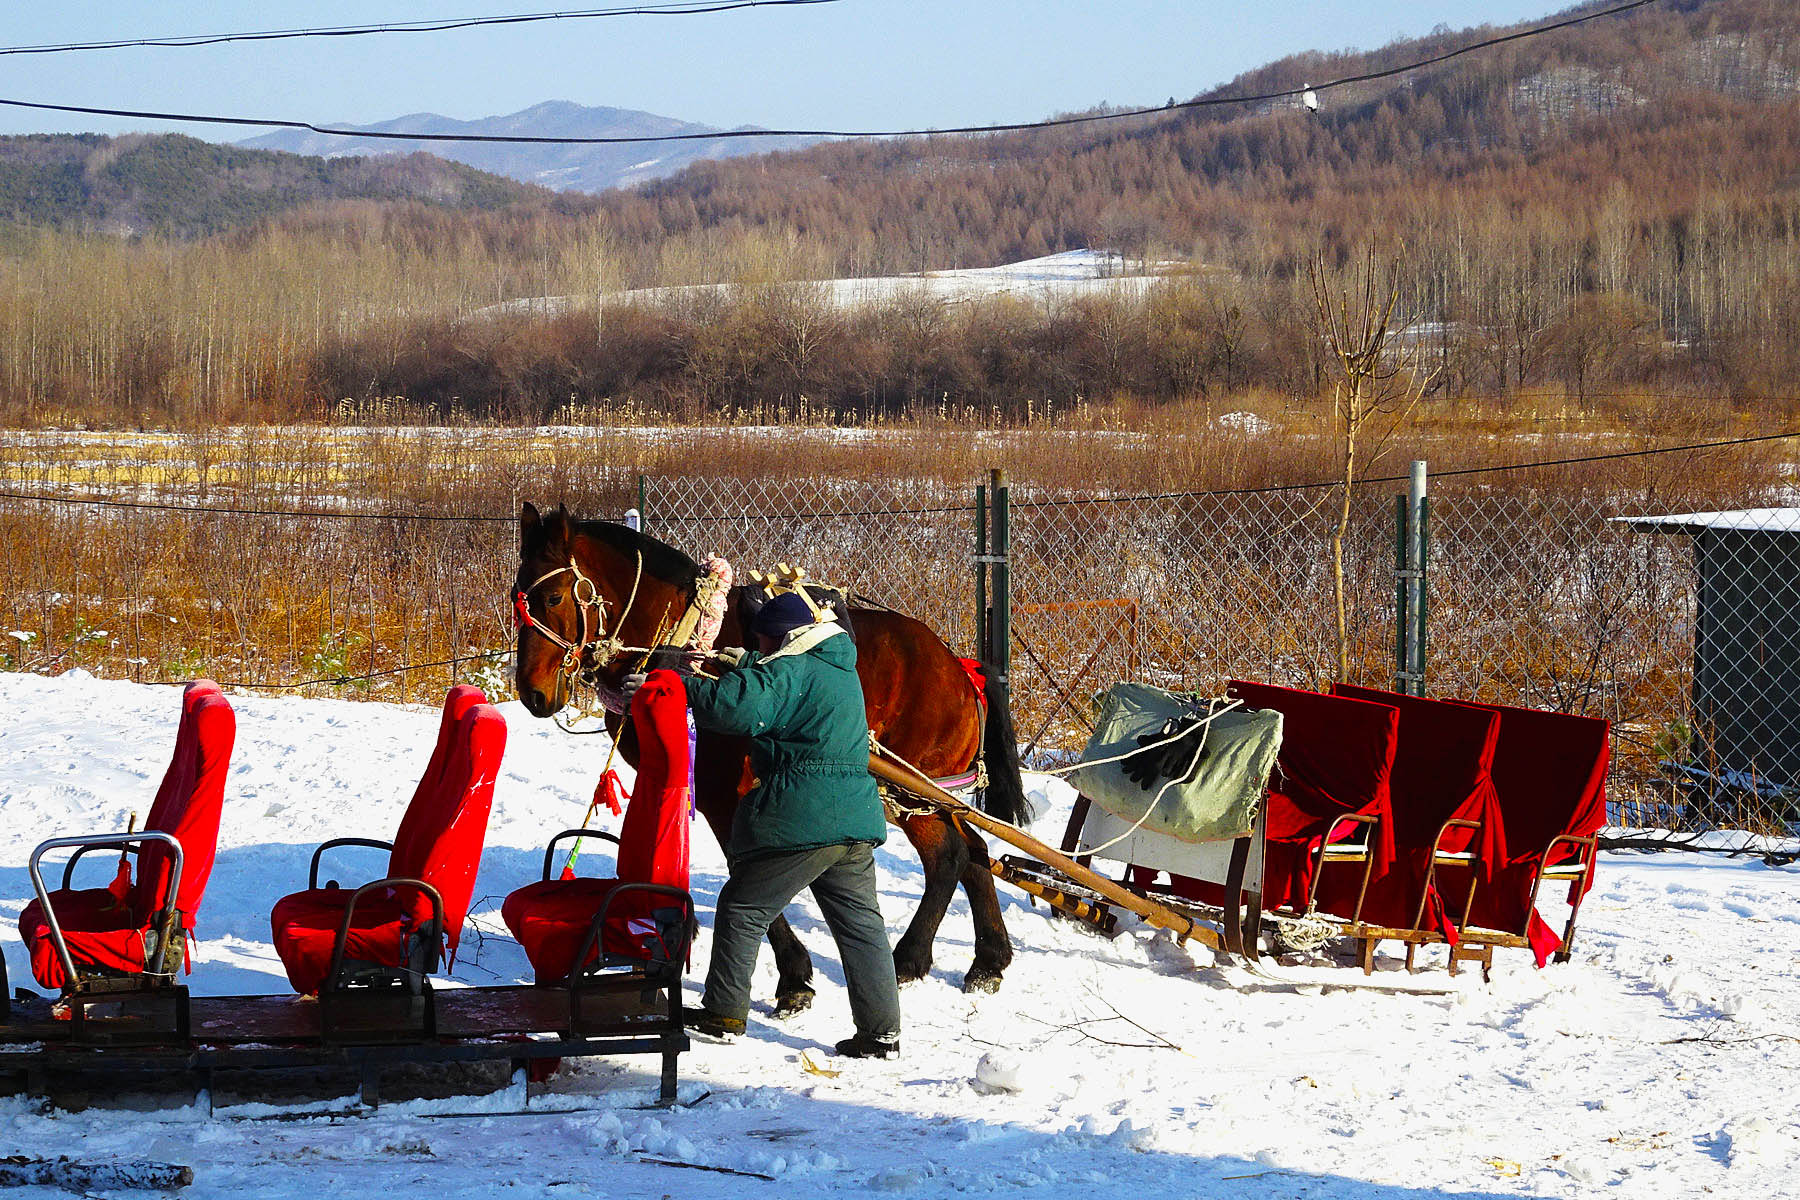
x,y
1681,631
1663,601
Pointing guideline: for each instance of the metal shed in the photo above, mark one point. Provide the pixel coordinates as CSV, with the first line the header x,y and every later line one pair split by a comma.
x,y
1746,689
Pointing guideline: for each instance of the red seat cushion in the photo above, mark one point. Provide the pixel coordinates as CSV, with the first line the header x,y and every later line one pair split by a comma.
x,y
305,927
100,929
551,918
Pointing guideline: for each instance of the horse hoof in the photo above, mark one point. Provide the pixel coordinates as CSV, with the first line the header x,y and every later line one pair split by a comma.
x,y
792,1004
981,980
910,972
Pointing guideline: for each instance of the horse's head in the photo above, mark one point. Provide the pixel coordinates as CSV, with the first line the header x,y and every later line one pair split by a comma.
x,y
541,667
584,589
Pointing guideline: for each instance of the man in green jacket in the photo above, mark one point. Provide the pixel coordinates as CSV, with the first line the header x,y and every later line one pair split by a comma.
x,y
813,818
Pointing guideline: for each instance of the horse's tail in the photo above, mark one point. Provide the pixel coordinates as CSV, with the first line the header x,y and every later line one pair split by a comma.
x,y
1004,796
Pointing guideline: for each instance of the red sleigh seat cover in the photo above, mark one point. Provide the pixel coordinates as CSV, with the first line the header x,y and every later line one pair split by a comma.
x,y
1550,777
1443,770
551,918
439,842
104,927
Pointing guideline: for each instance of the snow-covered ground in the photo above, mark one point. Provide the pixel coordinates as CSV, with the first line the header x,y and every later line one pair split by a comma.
x,y
1662,1062
1052,278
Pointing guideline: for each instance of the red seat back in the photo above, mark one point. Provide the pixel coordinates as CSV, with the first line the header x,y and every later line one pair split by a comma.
x,y
188,804
1443,769
653,840
1337,758
418,816
441,836
1550,771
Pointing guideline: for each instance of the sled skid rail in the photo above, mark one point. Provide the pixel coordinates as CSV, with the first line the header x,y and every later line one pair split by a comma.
x,y
622,1013
1116,894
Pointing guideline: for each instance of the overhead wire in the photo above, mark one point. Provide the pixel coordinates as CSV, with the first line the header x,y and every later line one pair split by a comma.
x,y
738,134
183,41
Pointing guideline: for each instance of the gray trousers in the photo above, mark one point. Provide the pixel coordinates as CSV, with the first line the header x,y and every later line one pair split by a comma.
x,y
842,879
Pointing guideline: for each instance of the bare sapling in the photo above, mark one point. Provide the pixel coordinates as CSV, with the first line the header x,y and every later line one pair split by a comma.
x,y
1377,381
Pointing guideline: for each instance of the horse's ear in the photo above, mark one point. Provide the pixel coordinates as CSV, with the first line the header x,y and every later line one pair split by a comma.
x,y
528,523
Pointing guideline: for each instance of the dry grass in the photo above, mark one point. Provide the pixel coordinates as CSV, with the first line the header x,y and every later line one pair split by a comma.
x,y
1536,597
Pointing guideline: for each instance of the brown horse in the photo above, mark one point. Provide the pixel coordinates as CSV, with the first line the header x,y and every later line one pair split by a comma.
x,y
586,588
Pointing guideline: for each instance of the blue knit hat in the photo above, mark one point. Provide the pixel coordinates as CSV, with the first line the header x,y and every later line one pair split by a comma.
x,y
781,616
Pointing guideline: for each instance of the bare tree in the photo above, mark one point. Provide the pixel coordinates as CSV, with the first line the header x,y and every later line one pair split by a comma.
x,y
1376,384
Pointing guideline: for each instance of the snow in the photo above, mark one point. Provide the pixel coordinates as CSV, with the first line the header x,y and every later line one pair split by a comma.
x,y
1754,520
1045,281
1660,1062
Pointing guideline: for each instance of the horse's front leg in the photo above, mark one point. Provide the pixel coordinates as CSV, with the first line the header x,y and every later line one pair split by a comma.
x,y
793,965
945,857
993,945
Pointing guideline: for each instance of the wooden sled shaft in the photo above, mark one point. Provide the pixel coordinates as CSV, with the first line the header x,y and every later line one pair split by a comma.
x,y
1156,914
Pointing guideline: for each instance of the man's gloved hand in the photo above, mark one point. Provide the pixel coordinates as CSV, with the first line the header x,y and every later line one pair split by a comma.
x,y
727,658
1176,760
628,687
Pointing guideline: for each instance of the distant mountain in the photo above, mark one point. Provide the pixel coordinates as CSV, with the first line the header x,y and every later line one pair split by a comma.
x,y
182,187
564,168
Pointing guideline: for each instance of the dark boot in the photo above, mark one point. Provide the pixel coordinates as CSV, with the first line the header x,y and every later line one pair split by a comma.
x,y
710,1027
868,1045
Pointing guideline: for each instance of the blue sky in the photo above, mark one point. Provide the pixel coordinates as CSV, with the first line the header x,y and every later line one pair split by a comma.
x,y
856,63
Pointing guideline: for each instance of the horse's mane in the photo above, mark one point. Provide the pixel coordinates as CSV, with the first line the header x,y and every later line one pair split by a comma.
x,y
661,560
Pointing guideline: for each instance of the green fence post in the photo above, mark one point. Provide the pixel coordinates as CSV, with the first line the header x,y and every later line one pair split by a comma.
x,y
1409,583
1002,579
982,632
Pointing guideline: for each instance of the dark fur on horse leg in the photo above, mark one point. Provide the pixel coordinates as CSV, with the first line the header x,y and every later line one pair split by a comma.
x,y
793,984
945,857
993,945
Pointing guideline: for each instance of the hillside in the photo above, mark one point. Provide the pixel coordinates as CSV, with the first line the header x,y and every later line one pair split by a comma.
x,y
1668,104
182,187
575,168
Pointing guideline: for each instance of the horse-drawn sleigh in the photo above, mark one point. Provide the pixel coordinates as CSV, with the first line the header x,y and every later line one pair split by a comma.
x,y
594,601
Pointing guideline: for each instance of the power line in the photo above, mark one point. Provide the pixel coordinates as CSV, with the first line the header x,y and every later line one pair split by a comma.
x,y
693,8
733,134
30,497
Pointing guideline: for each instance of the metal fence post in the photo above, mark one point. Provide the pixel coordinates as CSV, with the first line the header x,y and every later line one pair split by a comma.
x,y
1410,548
983,636
1002,581
643,504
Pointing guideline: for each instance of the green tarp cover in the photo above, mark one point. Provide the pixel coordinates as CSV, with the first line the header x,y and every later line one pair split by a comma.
x,y
1220,802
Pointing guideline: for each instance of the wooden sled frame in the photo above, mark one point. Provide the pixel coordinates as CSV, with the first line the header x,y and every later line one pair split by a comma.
x,y
369,1018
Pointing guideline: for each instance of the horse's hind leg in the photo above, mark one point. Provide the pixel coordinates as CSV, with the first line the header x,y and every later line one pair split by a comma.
x,y
945,857
793,984
993,946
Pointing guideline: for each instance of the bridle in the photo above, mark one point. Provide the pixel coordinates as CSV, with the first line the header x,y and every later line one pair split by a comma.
x,y
603,646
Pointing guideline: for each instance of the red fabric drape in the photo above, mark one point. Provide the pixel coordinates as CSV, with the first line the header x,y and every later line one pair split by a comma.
x,y
1336,758
1443,770
1550,776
